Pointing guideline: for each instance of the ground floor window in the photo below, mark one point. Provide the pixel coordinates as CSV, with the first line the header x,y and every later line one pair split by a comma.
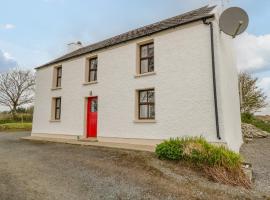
x,y
146,104
56,108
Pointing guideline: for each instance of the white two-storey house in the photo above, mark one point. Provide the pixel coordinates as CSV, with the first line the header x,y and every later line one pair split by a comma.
x,y
172,78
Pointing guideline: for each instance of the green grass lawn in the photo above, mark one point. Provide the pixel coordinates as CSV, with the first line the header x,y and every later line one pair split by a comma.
x,y
16,127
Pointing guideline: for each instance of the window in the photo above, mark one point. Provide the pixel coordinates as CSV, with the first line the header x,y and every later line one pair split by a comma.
x,y
146,107
58,76
147,58
57,110
92,75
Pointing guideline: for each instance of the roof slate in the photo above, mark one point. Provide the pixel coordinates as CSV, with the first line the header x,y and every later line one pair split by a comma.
x,y
194,15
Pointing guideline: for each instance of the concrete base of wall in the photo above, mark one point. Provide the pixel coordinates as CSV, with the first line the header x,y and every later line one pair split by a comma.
x,y
107,140
150,142
137,147
60,136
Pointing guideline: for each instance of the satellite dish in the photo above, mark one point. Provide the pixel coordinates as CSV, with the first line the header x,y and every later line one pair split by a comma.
x,y
233,21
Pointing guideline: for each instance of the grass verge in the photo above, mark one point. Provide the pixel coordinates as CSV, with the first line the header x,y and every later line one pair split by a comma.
x,y
219,163
16,127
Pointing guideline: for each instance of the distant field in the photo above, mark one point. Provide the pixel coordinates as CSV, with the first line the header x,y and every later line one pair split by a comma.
x,y
16,127
263,117
20,118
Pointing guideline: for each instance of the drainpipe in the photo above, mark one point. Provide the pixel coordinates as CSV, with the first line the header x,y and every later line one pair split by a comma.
x,y
214,75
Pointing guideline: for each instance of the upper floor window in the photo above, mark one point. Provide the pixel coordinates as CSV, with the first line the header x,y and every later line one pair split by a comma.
x,y
146,107
58,77
147,58
92,73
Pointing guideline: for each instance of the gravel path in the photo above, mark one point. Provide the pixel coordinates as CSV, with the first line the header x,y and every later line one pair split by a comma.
x,y
257,152
50,171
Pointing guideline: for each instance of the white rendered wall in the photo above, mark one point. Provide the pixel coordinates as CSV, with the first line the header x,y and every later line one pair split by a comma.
x,y
183,90
228,89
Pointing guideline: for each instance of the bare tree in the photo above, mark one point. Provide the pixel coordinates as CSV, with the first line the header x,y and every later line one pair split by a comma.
x,y
252,98
16,89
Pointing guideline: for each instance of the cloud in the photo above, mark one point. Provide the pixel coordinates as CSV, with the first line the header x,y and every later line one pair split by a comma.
x,y
7,26
6,61
253,52
264,83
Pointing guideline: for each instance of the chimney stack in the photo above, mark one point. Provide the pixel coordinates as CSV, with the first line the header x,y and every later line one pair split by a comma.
x,y
74,46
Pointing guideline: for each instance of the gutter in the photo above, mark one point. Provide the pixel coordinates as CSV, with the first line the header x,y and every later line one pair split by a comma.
x,y
210,24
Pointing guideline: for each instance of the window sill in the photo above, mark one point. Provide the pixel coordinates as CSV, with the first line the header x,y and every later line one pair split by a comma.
x,y
145,74
57,88
145,121
90,83
55,120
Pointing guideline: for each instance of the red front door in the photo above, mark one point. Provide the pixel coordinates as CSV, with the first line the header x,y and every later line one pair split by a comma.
x,y
92,111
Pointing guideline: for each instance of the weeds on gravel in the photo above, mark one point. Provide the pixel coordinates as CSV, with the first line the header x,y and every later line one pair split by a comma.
x,y
219,163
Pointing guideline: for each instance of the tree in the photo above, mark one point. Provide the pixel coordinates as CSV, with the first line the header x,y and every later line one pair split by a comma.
x,y
16,89
251,96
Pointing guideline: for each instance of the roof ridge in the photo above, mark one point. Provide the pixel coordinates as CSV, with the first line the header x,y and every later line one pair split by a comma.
x,y
149,29
144,26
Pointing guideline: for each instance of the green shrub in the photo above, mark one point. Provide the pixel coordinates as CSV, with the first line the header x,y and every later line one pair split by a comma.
x,y
171,149
198,151
251,119
246,117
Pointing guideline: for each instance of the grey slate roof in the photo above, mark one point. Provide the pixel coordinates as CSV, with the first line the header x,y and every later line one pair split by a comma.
x,y
194,15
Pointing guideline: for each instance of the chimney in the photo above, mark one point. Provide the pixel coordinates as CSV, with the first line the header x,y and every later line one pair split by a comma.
x,y
74,46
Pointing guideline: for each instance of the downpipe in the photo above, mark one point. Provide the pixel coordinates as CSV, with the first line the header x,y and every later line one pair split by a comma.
x,y
210,24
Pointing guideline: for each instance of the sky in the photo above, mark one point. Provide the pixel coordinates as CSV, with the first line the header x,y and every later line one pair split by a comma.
x,y
33,32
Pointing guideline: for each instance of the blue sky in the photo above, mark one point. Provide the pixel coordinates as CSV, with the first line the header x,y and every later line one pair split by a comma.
x,y
33,32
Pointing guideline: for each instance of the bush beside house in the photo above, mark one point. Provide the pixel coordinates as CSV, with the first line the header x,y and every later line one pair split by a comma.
x,y
219,163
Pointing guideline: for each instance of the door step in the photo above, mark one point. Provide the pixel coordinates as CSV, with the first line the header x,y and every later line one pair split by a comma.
x,y
88,140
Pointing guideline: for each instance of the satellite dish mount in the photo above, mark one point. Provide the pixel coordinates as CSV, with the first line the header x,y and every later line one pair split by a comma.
x,y
233,21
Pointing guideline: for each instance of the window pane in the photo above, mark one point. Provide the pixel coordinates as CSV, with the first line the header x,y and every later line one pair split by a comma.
x,y
57,114
144,52
151,50
93,76
144,66
151,96
143,97
59,71
58,103
151,64
94,105
58,84
151,111
93,63
143,111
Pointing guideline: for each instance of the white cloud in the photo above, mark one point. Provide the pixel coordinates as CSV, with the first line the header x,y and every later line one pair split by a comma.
x,y
264,83
253,52
6,61
253,55
8,26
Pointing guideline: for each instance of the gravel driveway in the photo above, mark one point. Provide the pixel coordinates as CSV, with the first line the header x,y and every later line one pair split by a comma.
x,y
257,152
50,171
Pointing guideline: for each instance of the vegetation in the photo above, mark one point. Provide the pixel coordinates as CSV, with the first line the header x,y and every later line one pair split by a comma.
x,y
21,122
16,127
16,89
218,162
252,98
19,118
259,123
